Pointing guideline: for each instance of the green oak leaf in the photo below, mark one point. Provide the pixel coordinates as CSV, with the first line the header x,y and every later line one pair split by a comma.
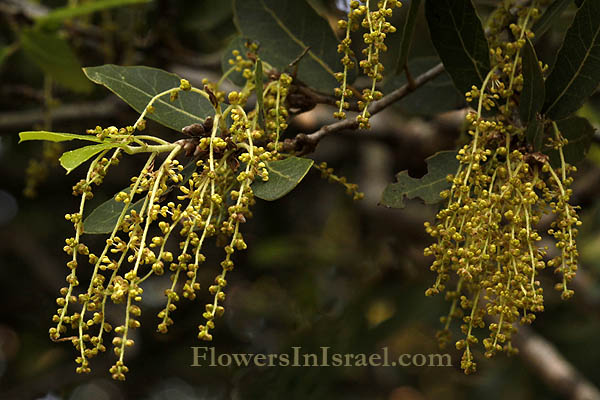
x,y
407,34
459,39
54,136
137,85
533,93
428,188
284,176
534,134
576,73
74,158
285,29
53,55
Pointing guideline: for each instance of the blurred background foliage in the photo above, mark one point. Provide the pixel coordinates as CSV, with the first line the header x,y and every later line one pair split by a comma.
x,y
320,270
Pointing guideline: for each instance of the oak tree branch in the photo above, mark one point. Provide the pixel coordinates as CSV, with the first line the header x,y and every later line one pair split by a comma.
x,y
306,143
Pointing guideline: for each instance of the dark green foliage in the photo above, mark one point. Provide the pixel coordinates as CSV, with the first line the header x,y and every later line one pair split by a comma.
x,y
576,73
532,96
138,85
285,29
459,39
407,35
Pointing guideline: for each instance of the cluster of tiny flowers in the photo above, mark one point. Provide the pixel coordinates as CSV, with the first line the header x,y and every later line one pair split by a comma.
x,y
157,231
275,107
377,28
487,243
216,183
242,64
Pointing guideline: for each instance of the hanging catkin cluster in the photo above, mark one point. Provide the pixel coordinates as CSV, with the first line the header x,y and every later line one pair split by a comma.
x,y
171,213
212,203
487,244
376,27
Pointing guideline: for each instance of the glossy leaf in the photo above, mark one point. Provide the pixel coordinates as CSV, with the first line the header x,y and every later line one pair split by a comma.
x,y
62,13
285,29
459,39
138,85
549,17
104,217
407,34
53,55
428,188
54,136
579,132
532,95
438,95
284,175
74,158
576,73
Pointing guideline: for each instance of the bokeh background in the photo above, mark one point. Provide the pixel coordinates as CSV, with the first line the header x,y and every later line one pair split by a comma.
x,y
320,269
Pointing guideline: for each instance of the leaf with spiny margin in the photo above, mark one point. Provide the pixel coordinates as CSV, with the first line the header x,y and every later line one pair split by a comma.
x,y
54,136
407,34
137,85
258,83
576,73
62,13
285,29
284,176
459,39
579,132
74,158
53,55
533,93
549,17
102,219
427,188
